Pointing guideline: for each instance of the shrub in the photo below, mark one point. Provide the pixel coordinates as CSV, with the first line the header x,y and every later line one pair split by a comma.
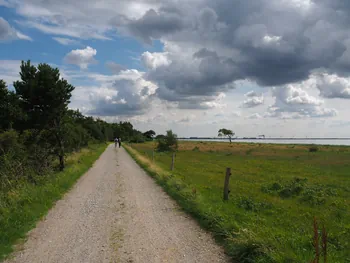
x,y
313,149
294,188
8,141
195,149
248,204
290,189
249,152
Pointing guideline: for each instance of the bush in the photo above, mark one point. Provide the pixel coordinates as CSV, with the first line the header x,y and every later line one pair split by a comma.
x,y
313,149
248,204
195,149
137,138
8,141
288,190
168,142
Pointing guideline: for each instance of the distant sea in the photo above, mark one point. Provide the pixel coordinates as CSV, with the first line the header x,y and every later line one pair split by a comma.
x,y
318,141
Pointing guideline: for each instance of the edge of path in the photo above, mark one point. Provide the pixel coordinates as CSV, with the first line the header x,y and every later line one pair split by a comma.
x,y
173,189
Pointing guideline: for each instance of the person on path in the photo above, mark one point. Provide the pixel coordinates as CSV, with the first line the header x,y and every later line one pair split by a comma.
x,y
116,142
120,142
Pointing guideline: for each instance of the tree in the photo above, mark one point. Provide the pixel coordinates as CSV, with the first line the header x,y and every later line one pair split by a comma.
x,y
160,136
227,133
149,134
10,111
168,142
44,96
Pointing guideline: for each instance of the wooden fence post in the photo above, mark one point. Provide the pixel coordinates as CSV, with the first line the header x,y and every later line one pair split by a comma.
x,y
227,183
173,162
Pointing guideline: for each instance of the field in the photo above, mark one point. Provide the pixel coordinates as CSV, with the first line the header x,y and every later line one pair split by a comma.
x,y
276,191
23,206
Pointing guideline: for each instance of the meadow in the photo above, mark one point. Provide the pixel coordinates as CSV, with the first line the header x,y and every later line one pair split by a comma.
x,y
25,204
276,191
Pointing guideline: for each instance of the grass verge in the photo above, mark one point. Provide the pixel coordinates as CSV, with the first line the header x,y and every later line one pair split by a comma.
x,y
21,208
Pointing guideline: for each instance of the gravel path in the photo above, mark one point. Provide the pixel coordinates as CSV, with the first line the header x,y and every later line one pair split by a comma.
x,y
116,213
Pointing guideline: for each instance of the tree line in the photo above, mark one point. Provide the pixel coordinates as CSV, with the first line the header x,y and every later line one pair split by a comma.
x,y
37,129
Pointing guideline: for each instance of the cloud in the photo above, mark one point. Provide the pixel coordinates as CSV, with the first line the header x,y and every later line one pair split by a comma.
x,y
152,25
77,31
114,67
4,3
294,102
80,19
9,70
254,116
8,33
252,94
81,57
187,119
155,60
236,114
333,86
195,79
271,42
66,41
209,46
253,100
129,95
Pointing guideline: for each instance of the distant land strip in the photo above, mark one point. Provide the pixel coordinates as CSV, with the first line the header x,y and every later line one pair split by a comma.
x,y
256,138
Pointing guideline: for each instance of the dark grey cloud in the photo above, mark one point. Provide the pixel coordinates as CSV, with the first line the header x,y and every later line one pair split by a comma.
x,y
271,42
200,80
208,45
153,24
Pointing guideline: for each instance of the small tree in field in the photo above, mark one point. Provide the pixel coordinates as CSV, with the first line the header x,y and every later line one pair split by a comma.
x,y
149,134
168,142
226,133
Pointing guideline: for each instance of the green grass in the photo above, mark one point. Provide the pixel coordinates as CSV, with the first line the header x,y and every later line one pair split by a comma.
x,y
276,190
21,208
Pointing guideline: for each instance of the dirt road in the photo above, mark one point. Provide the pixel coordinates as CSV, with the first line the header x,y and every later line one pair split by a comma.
x,y
116,213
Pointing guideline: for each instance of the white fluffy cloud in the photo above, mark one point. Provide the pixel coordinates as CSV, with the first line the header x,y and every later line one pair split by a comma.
x,y
155,60
294,102
8,33
253,100
333,86
124,94
81,57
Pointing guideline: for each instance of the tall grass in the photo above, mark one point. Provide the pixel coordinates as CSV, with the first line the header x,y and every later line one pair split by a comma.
x,y
23,205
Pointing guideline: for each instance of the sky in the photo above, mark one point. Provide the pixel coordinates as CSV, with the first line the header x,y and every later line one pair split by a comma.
x,y
275,67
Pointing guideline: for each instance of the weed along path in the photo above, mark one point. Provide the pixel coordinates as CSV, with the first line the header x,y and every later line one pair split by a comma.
x,y
117,213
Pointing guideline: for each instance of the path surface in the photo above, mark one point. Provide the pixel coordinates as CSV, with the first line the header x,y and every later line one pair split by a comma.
x,y
116,213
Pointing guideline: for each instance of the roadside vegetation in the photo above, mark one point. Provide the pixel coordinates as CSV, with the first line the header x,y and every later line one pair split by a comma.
x,y
276,192
44,147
